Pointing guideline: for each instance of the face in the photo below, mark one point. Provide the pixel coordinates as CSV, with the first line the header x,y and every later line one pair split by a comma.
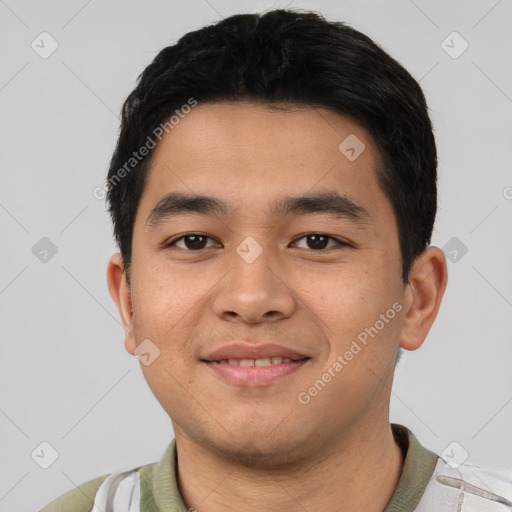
x,y
277,305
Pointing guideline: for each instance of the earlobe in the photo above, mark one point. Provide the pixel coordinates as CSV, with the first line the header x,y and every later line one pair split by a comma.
x,y
120,293
422,296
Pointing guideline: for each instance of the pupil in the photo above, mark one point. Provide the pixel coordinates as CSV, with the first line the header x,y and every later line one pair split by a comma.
x,y
318,241
196,243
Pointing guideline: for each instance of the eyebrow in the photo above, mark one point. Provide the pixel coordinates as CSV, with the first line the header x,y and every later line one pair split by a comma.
x,y
337,205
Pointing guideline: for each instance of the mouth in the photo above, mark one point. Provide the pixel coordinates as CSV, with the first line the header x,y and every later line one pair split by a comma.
x,y
264,361
248,366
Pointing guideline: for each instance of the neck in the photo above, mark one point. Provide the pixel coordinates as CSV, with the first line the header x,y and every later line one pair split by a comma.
x,y
335,480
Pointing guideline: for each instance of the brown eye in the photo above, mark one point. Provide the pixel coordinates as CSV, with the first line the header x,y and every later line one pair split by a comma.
x,y
192,242
195,241
319,241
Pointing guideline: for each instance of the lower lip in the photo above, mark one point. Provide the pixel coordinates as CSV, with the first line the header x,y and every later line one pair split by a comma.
x,y
253,376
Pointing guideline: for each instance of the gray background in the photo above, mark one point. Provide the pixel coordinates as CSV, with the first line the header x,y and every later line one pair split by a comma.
x,y
65,376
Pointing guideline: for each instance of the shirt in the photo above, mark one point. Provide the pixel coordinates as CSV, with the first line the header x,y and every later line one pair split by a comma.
x,y
427,484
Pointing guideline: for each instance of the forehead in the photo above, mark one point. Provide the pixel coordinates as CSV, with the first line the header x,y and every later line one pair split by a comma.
x,y
250,154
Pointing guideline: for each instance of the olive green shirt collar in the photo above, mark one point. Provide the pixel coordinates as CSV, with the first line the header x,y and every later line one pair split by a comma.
x,y
160,493
419,464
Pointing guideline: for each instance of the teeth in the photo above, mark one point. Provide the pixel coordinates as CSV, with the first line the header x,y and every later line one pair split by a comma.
x,y
265,361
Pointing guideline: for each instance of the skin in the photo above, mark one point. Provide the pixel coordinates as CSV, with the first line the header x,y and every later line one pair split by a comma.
x,y
259,448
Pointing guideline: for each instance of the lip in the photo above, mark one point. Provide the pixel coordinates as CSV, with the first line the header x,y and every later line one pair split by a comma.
x,y
254,376
246,351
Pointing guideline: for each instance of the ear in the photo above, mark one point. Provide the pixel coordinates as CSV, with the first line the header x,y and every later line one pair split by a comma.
x,y
120,293
422,296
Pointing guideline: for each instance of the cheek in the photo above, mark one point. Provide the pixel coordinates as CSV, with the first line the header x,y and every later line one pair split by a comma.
x,y
345,298
361,307
163,298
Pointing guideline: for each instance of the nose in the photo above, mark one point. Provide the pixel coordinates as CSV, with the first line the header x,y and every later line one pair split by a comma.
x,y
254,292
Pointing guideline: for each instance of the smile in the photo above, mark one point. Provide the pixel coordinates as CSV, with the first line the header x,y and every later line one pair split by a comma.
x,y
266,361
255,372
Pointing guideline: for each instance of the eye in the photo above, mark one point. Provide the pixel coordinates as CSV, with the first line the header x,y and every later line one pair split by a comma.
x,y
319,241
197,241
191,242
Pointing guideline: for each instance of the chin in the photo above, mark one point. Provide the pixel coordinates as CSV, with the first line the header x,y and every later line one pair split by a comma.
x,y
262,453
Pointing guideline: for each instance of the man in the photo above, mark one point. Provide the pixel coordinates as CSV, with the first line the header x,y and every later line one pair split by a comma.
x,y
273,194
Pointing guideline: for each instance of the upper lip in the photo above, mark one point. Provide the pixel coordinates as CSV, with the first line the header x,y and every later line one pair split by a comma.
x,y
244,351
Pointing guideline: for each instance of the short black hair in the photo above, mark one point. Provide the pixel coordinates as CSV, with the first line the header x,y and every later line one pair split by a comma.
x,y
285,56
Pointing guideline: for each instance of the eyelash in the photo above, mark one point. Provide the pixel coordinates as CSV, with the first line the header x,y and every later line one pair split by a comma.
x,y
339,243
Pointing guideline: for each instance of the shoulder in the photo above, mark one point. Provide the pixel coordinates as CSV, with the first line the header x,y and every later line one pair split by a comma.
x,y
79,499
496,483
478,488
